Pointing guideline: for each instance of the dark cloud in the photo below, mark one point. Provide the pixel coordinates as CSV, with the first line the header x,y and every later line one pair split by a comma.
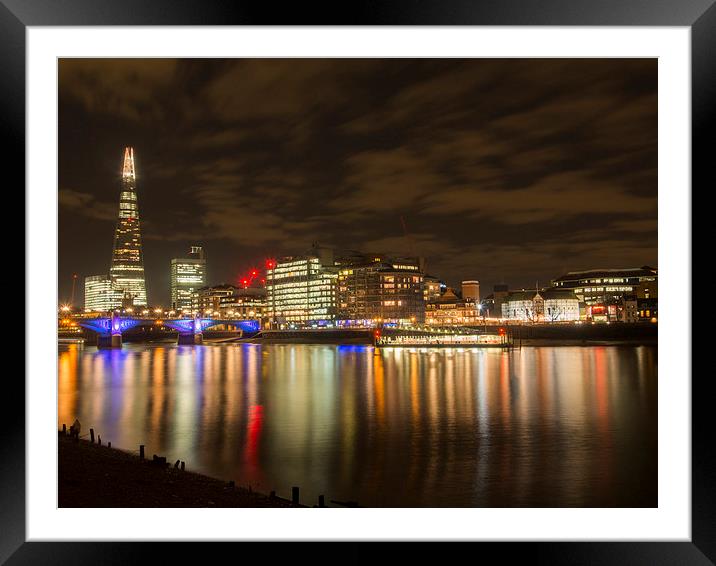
x,y
501,169
85,204
126,88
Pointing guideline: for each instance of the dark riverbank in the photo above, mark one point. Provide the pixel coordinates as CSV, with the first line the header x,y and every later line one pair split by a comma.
x,y
559,334
634,334
97,476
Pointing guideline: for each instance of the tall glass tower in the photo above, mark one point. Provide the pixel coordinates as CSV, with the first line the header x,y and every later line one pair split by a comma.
x,y
127,271
187,276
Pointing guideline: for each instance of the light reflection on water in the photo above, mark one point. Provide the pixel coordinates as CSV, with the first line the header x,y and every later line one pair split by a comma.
x,y
546,426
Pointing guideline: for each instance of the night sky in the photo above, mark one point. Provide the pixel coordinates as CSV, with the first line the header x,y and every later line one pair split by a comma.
x,y
505,170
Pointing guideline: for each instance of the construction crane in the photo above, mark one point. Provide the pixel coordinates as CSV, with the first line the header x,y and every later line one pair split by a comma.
x,y
72,296
411,245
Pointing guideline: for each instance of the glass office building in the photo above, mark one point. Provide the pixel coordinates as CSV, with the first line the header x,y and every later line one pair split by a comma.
x,y
187,275
101,295
301,291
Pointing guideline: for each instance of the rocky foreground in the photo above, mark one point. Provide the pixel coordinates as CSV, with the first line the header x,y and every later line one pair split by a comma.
x,y
90,475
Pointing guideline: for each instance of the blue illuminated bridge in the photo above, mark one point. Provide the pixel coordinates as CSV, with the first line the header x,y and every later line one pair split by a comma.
x,y
109,329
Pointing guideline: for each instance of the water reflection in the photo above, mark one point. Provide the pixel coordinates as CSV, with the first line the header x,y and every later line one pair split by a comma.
x,y
391,427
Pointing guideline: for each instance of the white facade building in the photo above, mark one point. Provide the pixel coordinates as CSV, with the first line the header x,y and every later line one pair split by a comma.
x,y
301,291
550,305
101,294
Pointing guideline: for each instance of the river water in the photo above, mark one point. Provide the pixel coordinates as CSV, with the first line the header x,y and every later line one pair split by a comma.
x,y
395,427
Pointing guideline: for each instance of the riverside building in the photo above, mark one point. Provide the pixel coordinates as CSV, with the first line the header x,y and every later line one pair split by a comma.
x,y
471,291
301,291
381,290
229,301
187,275
597,286
604,291
101,295
452,310
550,305
431,288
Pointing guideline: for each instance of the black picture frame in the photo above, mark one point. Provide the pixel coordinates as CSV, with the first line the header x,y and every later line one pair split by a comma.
x,y
699,15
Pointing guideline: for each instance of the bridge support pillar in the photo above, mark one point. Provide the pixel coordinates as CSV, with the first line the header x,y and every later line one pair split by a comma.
x,y
188,339
185,339
109,341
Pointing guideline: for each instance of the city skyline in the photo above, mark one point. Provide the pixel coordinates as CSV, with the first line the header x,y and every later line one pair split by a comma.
x,y
253,159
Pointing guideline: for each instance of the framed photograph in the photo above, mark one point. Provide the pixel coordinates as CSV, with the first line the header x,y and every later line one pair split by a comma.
x,y
397,274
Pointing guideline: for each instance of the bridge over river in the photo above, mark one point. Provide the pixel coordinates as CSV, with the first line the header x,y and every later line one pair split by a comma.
x,y
109,329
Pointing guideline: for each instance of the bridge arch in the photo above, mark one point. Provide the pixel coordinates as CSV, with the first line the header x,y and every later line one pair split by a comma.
x,y
109,329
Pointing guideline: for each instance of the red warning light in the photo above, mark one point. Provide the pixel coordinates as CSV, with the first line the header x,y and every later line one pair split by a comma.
x,y
501,332
270,264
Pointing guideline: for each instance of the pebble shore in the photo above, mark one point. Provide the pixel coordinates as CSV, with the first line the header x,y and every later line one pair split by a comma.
x,y
90,475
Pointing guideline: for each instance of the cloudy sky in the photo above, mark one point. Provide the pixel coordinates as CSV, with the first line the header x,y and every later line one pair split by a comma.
x,y
504,170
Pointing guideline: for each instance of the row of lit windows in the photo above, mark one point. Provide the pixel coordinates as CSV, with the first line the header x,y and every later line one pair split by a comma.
x,y
320,283
124,267
314,292
607,289
188,279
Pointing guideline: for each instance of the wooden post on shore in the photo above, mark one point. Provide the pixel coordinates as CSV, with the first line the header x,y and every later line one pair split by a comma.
x,y
176,465
321,501
141,451
92,435
99,440
182,465
294,495
64,429
109,445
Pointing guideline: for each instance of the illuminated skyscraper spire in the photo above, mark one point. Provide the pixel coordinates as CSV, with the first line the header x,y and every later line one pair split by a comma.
x,y
127,271
128,167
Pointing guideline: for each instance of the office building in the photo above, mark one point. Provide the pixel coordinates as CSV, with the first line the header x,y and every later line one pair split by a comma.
x,y
603,291
187,275
301,291
101,295
127,270
601,286
380,289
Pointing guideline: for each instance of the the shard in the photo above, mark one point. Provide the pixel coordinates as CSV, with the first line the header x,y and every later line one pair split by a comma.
x,y
127,271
